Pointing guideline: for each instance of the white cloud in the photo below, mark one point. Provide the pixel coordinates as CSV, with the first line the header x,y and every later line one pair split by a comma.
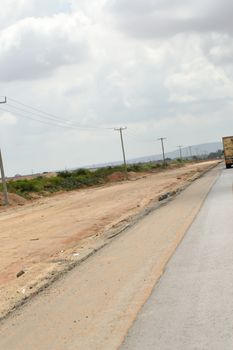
x,y
15,10
161,67
161,18
34,47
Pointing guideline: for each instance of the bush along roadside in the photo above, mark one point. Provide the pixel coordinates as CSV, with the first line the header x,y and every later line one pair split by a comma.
x,y
80,178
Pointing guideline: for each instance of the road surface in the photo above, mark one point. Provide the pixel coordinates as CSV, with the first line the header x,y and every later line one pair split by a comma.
x,y
192,305
94,305
36,236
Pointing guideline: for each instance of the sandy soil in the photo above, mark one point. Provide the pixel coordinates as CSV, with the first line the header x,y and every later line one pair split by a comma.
x,y
40,237
14,200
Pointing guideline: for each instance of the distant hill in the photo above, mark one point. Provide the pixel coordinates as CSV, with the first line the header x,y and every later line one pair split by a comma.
x,y
195,150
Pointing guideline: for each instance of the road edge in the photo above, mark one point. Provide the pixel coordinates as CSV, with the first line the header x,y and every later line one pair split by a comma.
x,y
108,237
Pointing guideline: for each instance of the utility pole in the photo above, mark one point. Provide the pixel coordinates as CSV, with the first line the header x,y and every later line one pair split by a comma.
x,y
4,101
123,149
4,186
190,151
162,145
180,149
5,193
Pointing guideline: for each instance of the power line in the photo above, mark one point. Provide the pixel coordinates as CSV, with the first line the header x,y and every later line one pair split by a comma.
x,y
38,120
36,114
132,134
51,122
48,116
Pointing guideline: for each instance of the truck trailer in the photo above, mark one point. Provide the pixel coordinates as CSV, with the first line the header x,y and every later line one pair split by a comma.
x,y
228,150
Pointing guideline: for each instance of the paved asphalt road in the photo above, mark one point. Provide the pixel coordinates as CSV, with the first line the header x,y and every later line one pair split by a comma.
x,y
192,305
93,306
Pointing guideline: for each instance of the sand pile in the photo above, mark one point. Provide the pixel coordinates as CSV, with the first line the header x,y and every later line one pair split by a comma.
x,y
14,199
117,176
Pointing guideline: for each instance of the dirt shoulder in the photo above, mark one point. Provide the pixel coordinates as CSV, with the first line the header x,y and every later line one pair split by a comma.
x,y
45,237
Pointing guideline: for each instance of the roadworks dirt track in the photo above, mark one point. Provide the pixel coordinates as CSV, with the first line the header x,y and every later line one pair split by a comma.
x,y
43,239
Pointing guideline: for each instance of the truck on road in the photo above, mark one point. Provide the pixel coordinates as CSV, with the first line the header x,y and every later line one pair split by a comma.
x,y
228,150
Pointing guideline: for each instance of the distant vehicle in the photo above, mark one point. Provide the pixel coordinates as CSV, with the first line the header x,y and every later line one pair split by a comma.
x,y
228,150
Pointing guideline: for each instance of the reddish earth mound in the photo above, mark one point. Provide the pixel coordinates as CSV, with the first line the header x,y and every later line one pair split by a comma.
x,y
133,175
117,176
14,199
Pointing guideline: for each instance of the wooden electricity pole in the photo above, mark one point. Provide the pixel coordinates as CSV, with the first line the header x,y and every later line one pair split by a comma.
x,y
123,150
4,186
180,148
190,151
161,139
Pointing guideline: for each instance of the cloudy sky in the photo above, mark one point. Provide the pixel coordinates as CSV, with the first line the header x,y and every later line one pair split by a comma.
x,y
159,67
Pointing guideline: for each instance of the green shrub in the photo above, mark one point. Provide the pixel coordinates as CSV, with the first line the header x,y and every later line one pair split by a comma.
x,y
64,173
70,180
81,172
